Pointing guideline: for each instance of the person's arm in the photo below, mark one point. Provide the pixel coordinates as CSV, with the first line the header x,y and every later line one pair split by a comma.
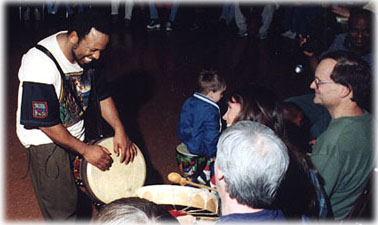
x,y
122,143
341,11
94,154
313,63
329,168
40,109
312,60
211,136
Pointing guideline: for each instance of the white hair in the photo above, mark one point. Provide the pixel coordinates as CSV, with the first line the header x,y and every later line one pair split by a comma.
x,y
254,161
123,214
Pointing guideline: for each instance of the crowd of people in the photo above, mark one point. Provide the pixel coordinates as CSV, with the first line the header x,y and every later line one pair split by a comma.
x,y
265,165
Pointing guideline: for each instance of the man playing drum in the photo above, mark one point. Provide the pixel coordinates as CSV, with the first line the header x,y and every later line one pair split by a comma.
x,y
51,104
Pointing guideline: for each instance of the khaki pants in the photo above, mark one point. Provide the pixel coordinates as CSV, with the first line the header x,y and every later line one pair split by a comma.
x,y
53,181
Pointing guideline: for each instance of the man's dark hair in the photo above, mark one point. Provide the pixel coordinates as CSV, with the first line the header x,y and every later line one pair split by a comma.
x,y
83,22
353,73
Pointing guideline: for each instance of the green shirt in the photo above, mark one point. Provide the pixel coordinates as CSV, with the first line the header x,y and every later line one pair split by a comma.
x,y
343,155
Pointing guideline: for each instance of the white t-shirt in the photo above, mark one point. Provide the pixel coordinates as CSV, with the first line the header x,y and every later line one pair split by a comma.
x,y
37,67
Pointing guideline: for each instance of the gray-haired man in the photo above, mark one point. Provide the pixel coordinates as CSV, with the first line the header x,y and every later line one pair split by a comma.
x,y
251,162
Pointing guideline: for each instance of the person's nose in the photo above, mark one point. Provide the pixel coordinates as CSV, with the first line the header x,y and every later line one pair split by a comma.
x,y
313,85
224,116
96,55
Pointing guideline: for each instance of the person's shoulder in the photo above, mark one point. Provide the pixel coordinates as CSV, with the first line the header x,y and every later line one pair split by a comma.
x,y
37,66
347,124
341,36
348,131
50,40
35,54
200,100
192,104
189,102
34,58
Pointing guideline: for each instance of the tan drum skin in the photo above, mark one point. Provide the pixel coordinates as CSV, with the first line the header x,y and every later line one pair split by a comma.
x,y
119,181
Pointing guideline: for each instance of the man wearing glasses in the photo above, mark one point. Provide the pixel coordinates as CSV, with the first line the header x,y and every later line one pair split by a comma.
x,y
343,153
357,40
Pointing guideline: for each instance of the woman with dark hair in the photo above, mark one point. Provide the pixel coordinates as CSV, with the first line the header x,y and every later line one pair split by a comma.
x,y
300,195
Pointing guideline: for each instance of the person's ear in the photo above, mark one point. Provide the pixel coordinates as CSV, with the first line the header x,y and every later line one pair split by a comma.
x,y
73,38
211,94
345,91
219,174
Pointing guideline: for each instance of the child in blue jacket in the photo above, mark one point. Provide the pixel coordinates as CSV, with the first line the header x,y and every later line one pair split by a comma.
x,y
200,125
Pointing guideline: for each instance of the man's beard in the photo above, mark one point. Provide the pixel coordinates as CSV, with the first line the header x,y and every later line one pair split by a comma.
x,y
82,65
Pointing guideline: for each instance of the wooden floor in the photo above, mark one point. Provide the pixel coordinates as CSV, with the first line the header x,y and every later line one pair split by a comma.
x,y
150,75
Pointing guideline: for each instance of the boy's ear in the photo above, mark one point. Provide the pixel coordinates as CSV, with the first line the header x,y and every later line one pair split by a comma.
x,y
210,94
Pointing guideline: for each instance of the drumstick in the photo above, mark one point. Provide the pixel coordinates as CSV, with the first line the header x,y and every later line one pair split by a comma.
x,y
177,179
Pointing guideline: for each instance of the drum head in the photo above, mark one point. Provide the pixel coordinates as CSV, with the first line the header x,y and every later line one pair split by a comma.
x,y
120,180
195,201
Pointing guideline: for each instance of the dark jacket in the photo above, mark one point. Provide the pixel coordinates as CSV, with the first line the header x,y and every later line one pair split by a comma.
x,y
199,125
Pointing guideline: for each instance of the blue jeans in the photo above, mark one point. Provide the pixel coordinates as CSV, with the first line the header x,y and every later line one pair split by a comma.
x,y
53,8
154,12
240,20
228,12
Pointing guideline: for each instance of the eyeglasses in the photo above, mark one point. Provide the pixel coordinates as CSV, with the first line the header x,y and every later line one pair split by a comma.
x,y
319,82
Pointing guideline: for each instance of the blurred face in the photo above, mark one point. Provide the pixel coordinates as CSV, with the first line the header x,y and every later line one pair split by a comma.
x,y
326,92
298,119
233,111
359,32
90,47
216,96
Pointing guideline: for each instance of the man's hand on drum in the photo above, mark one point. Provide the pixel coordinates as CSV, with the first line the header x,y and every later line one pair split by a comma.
x,y
123,145
98,156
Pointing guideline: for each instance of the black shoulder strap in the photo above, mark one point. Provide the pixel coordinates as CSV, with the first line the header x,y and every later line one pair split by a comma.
x,y
48,53
65,84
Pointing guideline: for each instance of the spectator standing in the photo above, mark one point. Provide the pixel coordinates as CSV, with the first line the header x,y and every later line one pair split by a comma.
x,y
155,19
129,5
